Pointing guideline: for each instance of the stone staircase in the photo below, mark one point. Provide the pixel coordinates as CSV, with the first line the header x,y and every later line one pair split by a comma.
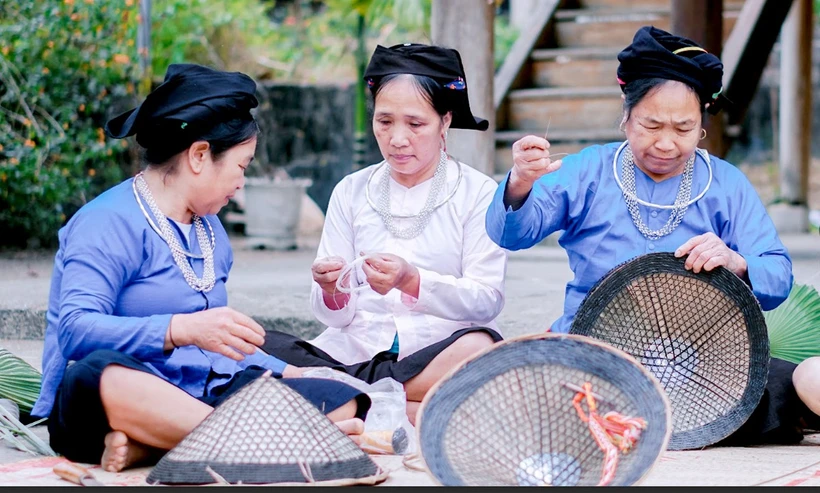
x,y
568,80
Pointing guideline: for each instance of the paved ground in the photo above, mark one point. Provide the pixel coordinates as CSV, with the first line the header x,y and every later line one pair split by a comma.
x,y
273,286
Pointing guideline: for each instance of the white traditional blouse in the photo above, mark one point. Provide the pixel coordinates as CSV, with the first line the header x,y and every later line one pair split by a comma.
x,y
461,269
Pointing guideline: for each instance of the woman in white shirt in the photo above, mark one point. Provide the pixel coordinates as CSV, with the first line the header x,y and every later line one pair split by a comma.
x,y
433,281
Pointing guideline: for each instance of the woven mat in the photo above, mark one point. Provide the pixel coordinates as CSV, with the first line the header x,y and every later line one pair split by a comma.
x,y
38,472
724,466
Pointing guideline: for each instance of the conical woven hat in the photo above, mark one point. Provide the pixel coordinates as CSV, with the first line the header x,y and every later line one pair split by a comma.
x,y
702,335
266,433
507,417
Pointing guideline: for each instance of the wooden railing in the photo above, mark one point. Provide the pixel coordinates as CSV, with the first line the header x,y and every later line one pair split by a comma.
x,y
517,58
746,52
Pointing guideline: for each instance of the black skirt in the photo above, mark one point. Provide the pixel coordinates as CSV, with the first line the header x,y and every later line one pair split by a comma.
x,y
77,425
781,417
300,353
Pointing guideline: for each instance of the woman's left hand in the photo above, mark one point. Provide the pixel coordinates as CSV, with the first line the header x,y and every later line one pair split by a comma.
x,y
386,271
708,251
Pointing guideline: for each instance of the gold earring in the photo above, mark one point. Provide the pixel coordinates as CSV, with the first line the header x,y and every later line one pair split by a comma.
x,y
704,133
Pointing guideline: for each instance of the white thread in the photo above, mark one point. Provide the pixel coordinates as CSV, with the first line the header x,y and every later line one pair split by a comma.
x,y
348,270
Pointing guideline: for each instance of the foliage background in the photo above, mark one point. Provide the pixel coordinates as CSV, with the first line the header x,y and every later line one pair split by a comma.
x,y
66,66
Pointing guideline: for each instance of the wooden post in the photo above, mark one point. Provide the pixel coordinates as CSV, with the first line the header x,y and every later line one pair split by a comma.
x,y
702,22
467,26
795,118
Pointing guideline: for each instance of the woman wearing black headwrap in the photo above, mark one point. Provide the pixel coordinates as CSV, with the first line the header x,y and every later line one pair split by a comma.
x,y
657,192
427,281
138,301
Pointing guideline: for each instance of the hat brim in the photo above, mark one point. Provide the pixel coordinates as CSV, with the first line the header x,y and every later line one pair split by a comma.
x,y
703,335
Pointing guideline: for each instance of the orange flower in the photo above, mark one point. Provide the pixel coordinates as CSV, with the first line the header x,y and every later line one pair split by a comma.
x,y
5,50
92,172
51,44
30,143
82,107
46,71
65,126
26,122
129,3
100,135
75,16
121,58
1,147
68,2
14,160
89,2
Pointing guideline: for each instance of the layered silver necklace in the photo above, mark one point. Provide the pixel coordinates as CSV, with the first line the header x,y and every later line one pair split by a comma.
x,y
630,192
422,218
166,232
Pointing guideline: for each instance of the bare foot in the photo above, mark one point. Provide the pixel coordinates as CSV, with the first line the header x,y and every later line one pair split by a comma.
x,y
353,428
120,453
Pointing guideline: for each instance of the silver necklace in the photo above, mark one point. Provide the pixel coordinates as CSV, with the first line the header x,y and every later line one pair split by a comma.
x,y
155,228
408,216
703,154
166,232
630,192
422,218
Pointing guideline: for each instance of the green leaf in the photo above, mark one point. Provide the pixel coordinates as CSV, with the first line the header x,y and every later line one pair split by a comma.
x,y
19,381
794,326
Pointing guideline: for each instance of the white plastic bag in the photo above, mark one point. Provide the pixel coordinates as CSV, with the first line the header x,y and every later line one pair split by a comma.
x,y
386,428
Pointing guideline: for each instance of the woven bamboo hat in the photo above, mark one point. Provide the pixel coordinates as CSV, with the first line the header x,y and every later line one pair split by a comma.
x,y
515,415
702,335
266,434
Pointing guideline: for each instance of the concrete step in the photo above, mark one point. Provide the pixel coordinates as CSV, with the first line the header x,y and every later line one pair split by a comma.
x,y
641,4
561,141
574,67
615,27
564,108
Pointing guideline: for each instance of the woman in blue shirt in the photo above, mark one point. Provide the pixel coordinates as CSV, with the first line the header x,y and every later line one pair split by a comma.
x,y
656,192
140,345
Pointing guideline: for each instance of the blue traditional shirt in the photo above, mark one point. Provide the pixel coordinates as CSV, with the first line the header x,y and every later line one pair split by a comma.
x,y
115,285
583,199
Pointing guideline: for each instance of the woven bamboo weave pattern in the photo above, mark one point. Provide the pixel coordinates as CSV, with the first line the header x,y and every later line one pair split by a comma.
x,y
703,336
265,433
507,418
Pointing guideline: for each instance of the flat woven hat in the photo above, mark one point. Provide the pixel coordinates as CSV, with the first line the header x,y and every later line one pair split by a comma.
x,y
544,410
266,434
702,335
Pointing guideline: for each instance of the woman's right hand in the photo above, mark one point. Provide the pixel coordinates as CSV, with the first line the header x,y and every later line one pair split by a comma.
x,y
531,161
326,271
220,330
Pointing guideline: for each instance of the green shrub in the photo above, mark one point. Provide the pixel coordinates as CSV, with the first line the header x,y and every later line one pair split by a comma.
x,y
65,65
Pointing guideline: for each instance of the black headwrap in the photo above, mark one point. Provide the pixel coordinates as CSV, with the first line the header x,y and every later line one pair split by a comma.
x,y
655,53
440,64
191,99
